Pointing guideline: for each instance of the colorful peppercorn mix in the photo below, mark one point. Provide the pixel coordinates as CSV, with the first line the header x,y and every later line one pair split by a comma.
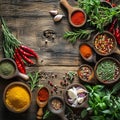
x,y
85,72
104,43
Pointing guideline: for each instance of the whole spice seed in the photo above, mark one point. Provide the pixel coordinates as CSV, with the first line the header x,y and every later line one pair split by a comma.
x,y
104,44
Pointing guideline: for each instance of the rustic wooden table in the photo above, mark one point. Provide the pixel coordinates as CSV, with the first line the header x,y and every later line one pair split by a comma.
x,y
28,19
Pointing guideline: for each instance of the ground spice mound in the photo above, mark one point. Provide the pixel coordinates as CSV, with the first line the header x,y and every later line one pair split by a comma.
x,y
78,18
17,98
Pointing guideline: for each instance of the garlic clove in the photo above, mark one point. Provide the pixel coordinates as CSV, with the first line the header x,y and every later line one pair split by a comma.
x,y
72,94
80,100
53,12
81,90
57,18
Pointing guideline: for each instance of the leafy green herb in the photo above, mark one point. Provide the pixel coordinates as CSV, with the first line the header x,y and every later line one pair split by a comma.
x,y
47,114
34,79
99,16
71,75
103,103
72,36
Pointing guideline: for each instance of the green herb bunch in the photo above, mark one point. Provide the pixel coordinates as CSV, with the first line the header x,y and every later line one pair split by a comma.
x,y
103,103
99,15
9,42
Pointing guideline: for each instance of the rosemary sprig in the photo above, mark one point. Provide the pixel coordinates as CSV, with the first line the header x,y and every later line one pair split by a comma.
x,y
9,41
34,79
72,36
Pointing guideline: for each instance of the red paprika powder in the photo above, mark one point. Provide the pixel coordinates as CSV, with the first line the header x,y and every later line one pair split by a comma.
x,y
43,94
78,18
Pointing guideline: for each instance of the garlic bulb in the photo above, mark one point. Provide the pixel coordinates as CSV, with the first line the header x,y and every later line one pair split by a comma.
x,y
57,18
53,12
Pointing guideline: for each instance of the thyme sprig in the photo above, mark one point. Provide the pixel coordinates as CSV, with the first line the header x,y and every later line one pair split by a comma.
x,y
72,36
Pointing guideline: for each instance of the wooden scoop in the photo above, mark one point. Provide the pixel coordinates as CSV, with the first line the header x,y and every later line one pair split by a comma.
x,y
41,106
71,10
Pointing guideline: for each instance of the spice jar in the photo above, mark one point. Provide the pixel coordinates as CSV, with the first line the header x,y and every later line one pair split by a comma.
x,y
42,100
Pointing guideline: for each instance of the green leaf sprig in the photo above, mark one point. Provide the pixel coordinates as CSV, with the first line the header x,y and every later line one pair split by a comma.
x,y
34,79
72,36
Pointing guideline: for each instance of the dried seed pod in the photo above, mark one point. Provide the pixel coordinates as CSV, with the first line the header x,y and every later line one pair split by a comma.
x,y
53,12
57,18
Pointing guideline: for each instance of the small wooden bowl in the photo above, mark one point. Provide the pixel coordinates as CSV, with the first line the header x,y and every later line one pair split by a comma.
x,y
107,82
84,104
12,85
113,50
91,76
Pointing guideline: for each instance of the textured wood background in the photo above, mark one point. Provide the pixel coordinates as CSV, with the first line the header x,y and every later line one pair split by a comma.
x,y
28,19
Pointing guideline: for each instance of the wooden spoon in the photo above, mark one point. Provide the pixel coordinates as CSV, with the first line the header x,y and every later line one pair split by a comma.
x,y
41,106
71,10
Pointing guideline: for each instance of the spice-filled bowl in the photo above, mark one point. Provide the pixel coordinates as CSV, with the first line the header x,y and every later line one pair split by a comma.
x,y
105,43
76,16
107,70
76,96
8,69
87,53
56,105
86,73
17,97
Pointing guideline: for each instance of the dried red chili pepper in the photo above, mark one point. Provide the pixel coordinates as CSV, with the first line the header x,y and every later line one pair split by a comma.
x,y
27,59
27,49
21,51
19,63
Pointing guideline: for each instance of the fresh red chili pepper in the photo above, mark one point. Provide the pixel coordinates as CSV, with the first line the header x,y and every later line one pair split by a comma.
x,y
21,51
27,59
112,25
117,34
107,0
27,49
20,65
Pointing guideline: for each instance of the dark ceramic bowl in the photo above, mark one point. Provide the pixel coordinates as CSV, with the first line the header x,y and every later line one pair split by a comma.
x,y
66,97
100,66
5,93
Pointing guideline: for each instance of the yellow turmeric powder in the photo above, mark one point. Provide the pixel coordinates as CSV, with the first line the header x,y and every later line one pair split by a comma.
x,y
85,51
17,98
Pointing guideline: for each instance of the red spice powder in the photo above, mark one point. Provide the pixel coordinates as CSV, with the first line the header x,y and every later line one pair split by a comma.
x,y
78,18
43,94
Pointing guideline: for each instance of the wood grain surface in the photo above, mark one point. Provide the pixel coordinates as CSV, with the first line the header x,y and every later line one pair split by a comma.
x,y
27,20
